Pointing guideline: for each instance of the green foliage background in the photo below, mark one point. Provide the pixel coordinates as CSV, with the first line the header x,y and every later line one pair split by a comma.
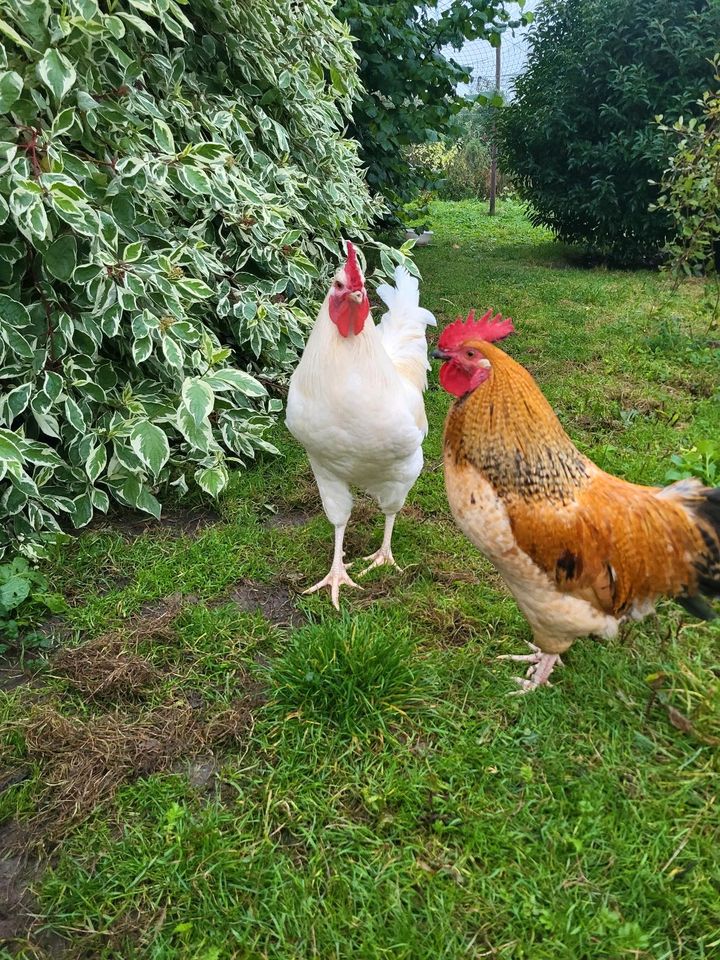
x,y
409,82
174,182
458,167
581,138
690,187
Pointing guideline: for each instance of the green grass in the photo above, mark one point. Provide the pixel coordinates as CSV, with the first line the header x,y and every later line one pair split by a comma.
x,y
389,799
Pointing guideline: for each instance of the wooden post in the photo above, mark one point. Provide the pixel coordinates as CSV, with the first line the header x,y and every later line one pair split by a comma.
x,y
493,146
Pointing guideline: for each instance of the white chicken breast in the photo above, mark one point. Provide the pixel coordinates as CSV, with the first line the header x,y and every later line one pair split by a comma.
x,y
356,404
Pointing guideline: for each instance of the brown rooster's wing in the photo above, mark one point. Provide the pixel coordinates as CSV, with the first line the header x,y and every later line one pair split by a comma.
x,y
614,544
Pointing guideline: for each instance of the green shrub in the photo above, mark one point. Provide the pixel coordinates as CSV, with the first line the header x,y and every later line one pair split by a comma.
x,y
691,187
458,168
409,82
581,138
173,186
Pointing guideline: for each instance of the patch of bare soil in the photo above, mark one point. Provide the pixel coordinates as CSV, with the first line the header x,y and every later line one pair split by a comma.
x,y
56,629
172,523
274,600
12,675
17,872
289,517
156,616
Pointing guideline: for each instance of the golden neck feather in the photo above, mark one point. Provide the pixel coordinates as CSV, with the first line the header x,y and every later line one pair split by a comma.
x,y
508,431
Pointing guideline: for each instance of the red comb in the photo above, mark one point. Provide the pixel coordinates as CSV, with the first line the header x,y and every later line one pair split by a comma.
x,y
352,270
487,328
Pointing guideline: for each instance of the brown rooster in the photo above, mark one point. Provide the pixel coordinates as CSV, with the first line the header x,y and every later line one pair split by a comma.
x,y
580,550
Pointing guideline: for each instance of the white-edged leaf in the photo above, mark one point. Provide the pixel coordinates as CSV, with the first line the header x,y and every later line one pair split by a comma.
x,y
9,449
96,462
100,500
18,399
195,179
12,33
61,258
12,312
195,288
74,415
62,122
198,436
141,349
150,445
212,479
163,136
82,511
230,379
11,85
173,352
56,72
199,398
137,22
52,385
48,423
17,342
132,252
138,495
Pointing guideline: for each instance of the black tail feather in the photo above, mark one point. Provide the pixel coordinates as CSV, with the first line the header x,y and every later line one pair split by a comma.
x,y
708,565
697,607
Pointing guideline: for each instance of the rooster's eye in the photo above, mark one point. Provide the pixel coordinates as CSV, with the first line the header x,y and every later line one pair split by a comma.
x,y
469,354
338,285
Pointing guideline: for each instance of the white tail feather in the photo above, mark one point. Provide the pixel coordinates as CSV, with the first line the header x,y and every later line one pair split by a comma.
x,y
402,328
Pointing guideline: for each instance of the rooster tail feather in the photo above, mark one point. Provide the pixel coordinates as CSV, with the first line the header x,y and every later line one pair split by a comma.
x,y
403,300
402,328
697,607
707,512
703,507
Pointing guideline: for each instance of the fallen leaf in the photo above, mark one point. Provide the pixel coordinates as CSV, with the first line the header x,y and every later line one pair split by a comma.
x,y
679,720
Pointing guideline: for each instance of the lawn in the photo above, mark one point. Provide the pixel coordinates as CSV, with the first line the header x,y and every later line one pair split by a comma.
x,y
210,766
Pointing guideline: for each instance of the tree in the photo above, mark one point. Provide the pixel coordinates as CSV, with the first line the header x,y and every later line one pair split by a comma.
x,y
409,83
581,138
174,182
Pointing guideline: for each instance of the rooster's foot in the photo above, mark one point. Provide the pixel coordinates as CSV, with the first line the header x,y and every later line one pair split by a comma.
x,y
336,578
382,557
538,673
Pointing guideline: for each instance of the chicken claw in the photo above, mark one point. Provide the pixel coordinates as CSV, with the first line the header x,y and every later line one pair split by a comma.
x,y
382,557
538,673
336,578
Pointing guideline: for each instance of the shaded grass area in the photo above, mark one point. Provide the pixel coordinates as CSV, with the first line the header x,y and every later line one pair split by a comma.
x,y
212,766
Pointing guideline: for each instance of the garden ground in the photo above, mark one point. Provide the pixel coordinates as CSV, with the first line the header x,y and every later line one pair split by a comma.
x,y
216,767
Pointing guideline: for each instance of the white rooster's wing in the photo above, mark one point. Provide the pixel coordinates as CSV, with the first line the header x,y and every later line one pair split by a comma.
x,y
402,328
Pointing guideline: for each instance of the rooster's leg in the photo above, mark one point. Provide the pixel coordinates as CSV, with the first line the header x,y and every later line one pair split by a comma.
x,y
538,673
338,572
384,554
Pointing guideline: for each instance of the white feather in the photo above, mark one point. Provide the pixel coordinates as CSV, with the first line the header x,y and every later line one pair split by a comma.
x,y
402,327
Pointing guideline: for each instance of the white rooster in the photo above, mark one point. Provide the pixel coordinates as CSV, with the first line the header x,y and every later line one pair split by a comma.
x,y
356,404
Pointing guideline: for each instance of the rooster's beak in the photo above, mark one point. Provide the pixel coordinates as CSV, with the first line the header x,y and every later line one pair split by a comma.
x,y
439,355
356,296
